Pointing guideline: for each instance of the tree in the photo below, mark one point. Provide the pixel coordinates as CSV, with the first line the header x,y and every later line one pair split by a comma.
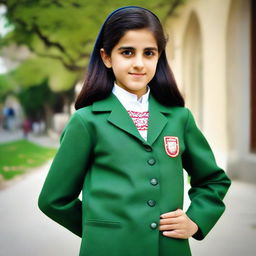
x,y
60,36
66,30
39,102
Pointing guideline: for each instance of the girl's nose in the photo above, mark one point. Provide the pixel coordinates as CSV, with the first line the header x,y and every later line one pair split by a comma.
x,y
138,62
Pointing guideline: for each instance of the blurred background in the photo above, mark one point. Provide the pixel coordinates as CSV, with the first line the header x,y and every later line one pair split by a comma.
x,y
45,46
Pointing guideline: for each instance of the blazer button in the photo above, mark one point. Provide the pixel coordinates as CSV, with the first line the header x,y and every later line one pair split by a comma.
x,y
147,148
151,161
154,182
153,225
151,203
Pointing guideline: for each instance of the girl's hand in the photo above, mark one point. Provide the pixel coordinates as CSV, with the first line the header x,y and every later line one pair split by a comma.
x,y
177,224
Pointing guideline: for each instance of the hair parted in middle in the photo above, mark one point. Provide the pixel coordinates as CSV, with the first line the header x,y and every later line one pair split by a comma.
x,y
99,80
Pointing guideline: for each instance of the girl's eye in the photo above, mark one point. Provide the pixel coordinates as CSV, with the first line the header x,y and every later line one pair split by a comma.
x,y
127,53
149,53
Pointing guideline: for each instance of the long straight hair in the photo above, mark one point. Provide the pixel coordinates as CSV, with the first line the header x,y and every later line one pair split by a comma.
x,y
99,80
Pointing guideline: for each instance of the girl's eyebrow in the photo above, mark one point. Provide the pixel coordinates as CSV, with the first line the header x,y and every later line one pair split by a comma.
x,y
132,48
126,48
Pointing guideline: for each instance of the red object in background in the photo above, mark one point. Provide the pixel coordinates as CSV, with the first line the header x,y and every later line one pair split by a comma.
x,y
26,126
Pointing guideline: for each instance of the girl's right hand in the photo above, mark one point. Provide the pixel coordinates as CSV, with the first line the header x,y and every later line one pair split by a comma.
x,y
177,224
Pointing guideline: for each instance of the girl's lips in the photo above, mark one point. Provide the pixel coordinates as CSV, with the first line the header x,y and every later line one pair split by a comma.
x,y
137,74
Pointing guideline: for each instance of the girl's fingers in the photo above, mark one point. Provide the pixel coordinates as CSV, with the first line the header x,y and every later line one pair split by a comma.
x,y
173,214
174,234
169,227
177,224
169,221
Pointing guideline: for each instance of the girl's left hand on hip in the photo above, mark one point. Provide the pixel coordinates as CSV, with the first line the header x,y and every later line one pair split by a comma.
x,y
177,224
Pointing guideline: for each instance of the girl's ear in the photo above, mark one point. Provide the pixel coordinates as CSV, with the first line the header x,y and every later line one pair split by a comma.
x,y
105,58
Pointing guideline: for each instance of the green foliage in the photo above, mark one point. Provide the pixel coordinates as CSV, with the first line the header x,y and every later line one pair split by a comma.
x,y
67,29
61,35
7,84
35,70
35,98
19,156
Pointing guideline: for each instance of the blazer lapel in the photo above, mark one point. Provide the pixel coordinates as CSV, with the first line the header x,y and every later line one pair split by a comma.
x,y
157,120
119,117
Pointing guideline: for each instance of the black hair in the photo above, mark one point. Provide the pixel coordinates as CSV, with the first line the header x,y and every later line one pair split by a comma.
x,y
99,80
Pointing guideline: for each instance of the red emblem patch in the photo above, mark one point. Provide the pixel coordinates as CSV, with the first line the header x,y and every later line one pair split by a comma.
x,y
171,145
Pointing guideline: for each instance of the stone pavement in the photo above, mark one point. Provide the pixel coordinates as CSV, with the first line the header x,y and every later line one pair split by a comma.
x,y
25,231
235,233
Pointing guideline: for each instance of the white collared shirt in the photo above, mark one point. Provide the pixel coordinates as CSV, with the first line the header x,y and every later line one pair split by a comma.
x,y
136,108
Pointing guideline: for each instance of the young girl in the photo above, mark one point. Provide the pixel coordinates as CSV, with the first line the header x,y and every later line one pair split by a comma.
x,y
125,148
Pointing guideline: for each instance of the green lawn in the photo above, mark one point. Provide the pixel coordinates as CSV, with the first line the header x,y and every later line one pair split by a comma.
x,y
19,156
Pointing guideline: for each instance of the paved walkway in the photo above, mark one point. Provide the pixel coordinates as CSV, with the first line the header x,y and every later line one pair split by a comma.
x,y
25,231
235,233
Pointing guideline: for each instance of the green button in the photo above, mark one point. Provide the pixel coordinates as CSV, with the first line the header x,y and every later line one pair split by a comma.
x,y
151,161
153,225
154,182
151,203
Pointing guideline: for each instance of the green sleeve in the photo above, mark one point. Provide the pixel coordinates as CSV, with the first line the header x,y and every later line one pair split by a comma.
x,y
209,183
59,196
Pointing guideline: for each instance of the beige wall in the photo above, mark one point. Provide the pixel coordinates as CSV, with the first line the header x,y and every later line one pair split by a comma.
x,y
208,50
212,19
241,161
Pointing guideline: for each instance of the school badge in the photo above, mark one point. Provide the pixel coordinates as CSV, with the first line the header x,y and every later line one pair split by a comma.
x,y
171,145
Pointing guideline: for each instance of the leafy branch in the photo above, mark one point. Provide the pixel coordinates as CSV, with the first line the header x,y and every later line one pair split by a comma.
x,y
70,64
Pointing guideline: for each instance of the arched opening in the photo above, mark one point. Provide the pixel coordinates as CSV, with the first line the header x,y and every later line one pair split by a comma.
x,y
192,68
253,78
239,90
237,78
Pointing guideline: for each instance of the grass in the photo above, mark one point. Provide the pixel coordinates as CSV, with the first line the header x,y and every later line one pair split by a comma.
x,y
17,157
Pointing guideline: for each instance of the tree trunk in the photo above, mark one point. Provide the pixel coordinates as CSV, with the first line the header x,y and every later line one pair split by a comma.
x,y
48,117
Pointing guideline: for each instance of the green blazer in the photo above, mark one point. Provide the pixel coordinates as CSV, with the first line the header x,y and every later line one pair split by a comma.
x,y
127,182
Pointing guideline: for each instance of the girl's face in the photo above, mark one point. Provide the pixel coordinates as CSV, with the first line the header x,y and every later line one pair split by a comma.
x,y
133,60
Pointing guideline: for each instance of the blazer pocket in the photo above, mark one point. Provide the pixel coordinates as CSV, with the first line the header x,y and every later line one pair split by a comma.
x,y
103,223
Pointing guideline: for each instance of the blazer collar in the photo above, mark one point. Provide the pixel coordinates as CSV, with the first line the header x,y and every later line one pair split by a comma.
x,y
120,118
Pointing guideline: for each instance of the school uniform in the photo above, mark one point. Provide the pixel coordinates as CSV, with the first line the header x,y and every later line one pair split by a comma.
x,y
128,181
